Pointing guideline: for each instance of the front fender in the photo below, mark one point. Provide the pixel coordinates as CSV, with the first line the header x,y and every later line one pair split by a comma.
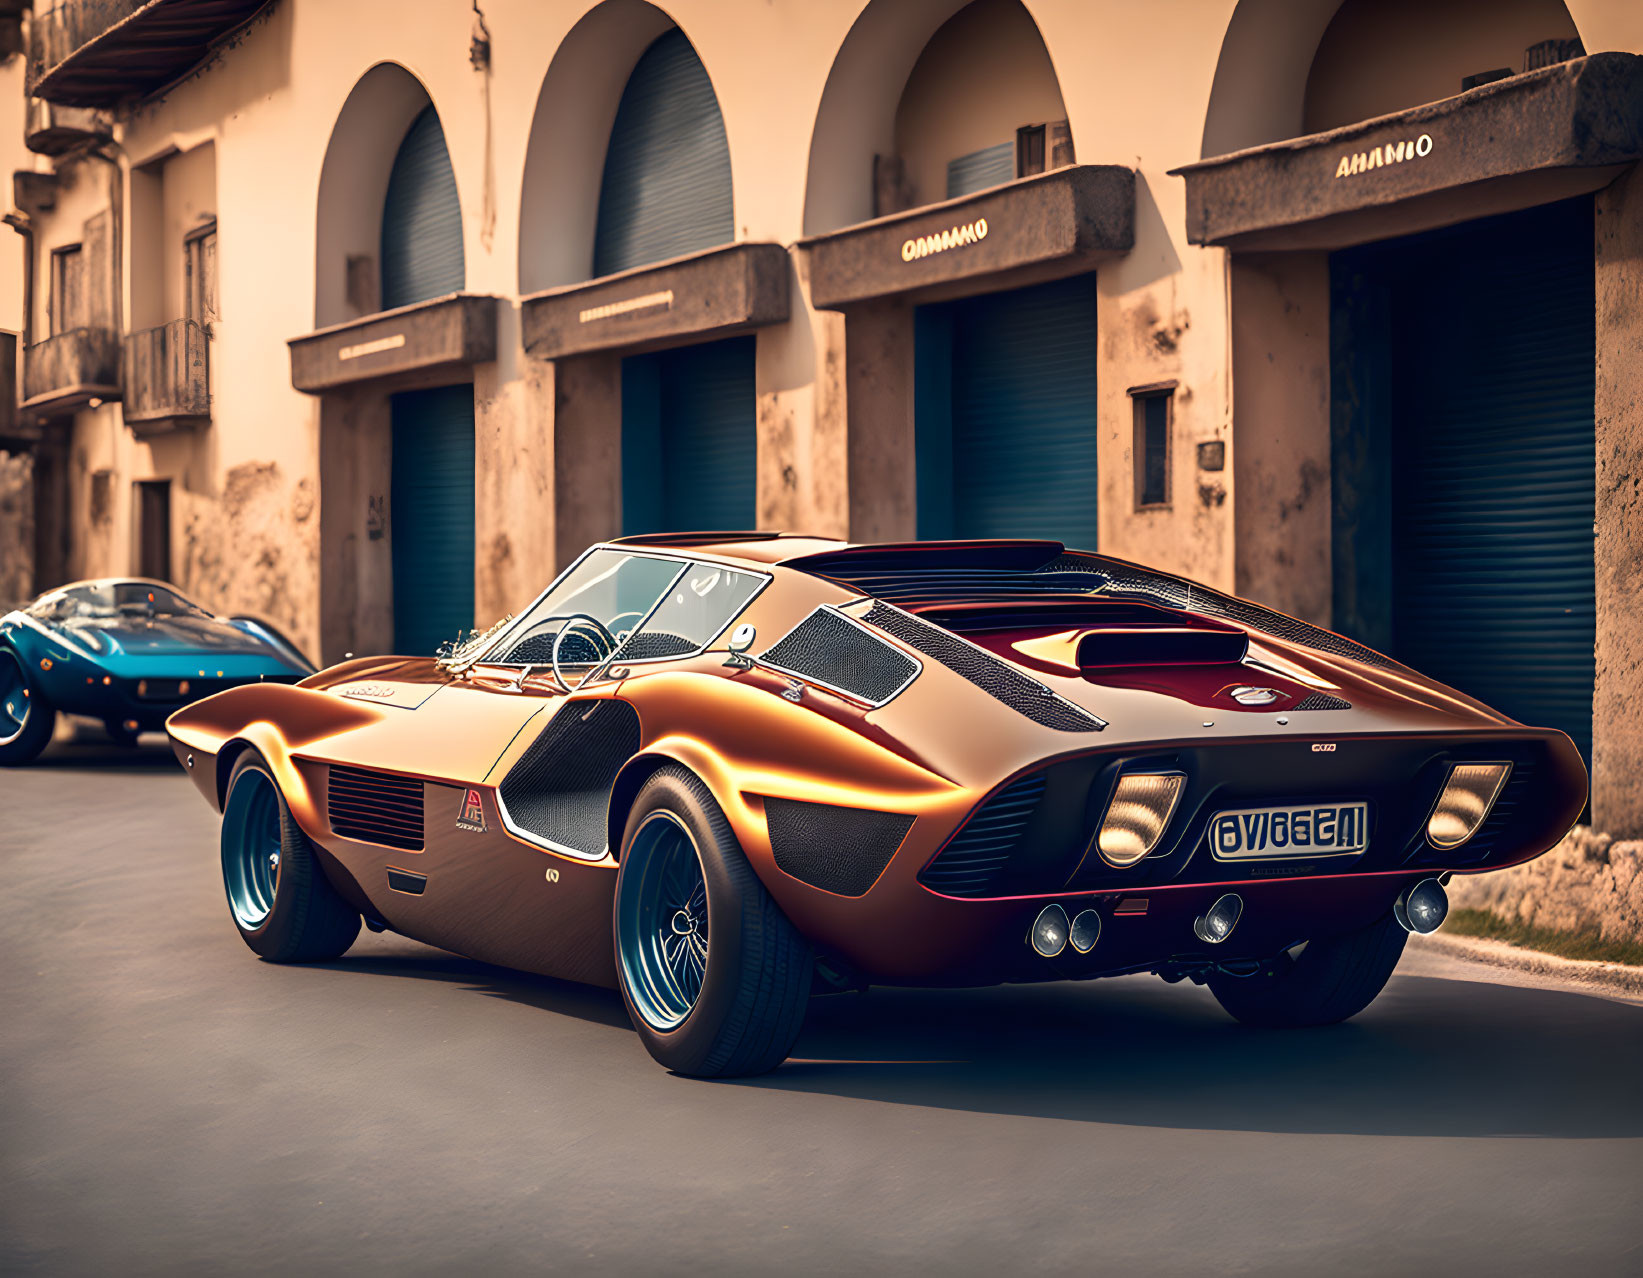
x,y
274,718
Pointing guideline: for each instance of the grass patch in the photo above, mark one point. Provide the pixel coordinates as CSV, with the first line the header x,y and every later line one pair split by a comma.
x,y
1571,945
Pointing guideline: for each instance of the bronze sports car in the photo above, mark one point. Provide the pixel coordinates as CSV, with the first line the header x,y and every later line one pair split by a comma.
x,y
720,772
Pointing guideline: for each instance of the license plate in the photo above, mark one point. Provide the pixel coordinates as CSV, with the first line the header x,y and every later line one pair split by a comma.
x,y
1327,829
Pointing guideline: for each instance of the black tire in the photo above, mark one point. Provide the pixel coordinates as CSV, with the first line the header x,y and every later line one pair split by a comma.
x,y
756,985
1330,980
21,742
305,920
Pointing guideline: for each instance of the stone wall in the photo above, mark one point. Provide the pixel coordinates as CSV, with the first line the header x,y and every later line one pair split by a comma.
x,y
1587,883
16,529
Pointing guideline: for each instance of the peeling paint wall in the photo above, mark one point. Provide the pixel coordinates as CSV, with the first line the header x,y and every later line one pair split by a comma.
x,y
16,529
1280,386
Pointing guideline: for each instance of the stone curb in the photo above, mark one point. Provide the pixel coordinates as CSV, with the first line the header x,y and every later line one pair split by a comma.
x,y
1615,976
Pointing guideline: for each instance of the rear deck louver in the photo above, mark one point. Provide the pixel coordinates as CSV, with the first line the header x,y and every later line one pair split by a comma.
x,y
976,858
1322,701
996,677
835,651
375,807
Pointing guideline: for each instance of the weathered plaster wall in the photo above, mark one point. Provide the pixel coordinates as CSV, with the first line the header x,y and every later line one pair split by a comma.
x,y
878,348
1617,762
16,529
1280,387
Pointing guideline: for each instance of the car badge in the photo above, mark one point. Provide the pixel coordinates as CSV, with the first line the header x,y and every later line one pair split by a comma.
x,y
1247,695
473,813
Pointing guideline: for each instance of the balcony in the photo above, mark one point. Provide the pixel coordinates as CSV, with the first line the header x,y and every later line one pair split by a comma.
x,y
49,129
167,378
95,53
70,370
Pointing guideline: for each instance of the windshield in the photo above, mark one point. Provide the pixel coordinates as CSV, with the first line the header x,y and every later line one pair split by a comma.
x,y
602,605
113,599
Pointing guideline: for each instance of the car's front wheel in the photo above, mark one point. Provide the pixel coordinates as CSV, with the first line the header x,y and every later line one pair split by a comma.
x,y
714,976
26,716
1331,979
281,903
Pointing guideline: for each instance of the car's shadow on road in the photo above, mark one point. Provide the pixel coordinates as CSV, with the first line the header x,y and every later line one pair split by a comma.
x,y
95,753
1430,1058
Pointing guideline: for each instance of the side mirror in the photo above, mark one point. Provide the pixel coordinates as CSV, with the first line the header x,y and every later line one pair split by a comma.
x,y
741,639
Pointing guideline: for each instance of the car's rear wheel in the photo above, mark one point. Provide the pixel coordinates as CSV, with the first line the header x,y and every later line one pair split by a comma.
x,y
27,717
281,903
1328,981
714,976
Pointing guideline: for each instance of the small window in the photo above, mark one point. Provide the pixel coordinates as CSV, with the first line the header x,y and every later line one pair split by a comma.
x,y
1029,150
1152,444
200,268
68,289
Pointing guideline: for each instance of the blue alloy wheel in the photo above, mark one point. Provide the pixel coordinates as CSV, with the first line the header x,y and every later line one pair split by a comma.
x,y
251,848
661,921
14,698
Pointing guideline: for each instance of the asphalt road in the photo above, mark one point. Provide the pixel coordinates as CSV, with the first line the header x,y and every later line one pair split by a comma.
x,y
169,1104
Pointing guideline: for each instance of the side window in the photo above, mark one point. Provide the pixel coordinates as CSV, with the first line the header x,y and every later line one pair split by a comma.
x,y
698,608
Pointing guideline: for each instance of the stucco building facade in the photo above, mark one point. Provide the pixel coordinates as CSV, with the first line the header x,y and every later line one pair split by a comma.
x,y
367,316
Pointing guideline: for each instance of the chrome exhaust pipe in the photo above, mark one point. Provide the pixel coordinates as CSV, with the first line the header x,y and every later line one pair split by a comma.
x,y
1421,909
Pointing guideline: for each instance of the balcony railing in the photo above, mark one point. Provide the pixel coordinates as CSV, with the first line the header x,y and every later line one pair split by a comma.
x,y
95,53
71,369
167,377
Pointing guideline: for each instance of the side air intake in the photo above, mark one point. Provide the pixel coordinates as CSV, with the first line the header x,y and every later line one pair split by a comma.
x,y
841,850
978,855
375,807
558,792
994,676
840,653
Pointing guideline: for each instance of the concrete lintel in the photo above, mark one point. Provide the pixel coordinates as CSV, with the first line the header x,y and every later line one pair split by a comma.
x,y
1061,221
716,293
1520,134
447,334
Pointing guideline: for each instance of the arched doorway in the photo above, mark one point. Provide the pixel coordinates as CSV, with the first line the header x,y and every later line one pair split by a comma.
x,y
952,115
397,441
1432,275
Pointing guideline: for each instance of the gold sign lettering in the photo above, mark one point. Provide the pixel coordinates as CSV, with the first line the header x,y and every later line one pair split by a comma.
x,y
952,238
649,301
1380,156
371,348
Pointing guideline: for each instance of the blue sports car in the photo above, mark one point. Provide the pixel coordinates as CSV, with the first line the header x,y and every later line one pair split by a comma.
x,y
126,651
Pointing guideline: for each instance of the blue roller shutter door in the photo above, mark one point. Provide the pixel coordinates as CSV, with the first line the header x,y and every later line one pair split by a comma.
x,y
431,517
1494,459
1006,415
689,439
666,187
421,220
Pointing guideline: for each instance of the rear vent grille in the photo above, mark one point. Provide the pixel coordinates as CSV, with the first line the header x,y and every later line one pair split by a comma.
x,y
1322,701
992,675
978,855
837,652
559,791
841,850
375,807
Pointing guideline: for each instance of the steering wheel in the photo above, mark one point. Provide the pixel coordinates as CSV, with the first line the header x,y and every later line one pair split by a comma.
x,y
579,623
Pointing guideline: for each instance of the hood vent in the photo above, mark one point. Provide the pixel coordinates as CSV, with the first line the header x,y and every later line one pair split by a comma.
x,y
375,807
